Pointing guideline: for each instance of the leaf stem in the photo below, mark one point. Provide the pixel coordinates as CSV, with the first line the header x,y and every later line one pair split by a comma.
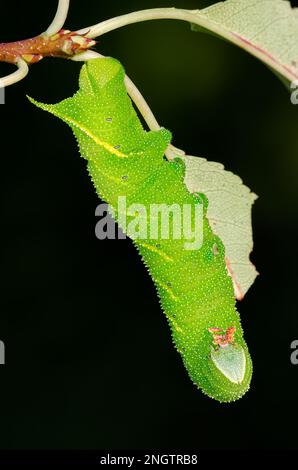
x,y
139,16
59,19
198,18
17,76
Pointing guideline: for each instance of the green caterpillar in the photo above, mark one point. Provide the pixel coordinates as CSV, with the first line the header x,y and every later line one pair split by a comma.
x,y
195,290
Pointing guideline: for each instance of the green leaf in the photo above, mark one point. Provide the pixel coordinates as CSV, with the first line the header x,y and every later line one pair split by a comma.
x,y
268,29
229,214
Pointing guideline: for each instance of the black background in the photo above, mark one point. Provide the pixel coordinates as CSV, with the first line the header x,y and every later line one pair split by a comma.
x,y
89,358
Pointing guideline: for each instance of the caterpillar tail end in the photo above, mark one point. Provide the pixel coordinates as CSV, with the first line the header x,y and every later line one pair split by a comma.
x,y
221,367
231,362
230,373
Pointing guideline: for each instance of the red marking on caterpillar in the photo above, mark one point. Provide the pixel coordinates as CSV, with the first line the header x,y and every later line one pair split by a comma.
x,y
221,338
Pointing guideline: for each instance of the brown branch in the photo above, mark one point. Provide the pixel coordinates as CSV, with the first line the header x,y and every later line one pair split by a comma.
x,y
65,44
